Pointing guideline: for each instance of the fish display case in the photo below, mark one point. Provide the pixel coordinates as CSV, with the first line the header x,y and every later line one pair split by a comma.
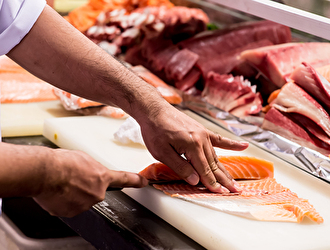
x,y
163,222
309,23
303,170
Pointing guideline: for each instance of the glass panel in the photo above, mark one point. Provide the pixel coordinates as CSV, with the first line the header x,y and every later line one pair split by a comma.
x,y
319,7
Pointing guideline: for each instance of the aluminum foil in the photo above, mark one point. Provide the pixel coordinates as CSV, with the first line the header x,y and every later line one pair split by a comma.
x,y
248,129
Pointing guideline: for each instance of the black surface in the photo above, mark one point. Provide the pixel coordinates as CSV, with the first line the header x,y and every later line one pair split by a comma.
x,y
125,224
33,221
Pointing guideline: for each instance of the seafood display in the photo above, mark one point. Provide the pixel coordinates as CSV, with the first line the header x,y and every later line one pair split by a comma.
x,y
165,90
272,61
233,94
261,198
19,86
299,110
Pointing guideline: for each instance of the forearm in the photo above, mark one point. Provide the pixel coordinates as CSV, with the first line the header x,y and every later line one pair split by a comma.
x,y
58,53
23,169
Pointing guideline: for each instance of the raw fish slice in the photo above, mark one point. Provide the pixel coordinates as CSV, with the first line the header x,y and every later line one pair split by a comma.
x,y
311,126
293,99
189,80
277,62
159,171
165,90
247,167
239,167
7,65
313,83
324,71
230,93
221,90
282,124
225,62
264,200
251,107
220,41
180,64
24,88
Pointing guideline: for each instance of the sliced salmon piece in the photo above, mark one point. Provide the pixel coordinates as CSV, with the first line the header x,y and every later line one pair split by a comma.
x,y
247,167
19,86
165,90
7,65
262,199
24,88
73,102
239,167
159,171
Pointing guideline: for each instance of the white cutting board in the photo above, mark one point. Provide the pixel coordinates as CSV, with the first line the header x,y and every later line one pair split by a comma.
x,y
27,119
210,228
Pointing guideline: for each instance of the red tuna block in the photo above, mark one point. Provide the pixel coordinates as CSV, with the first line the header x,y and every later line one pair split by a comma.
x,y
221,41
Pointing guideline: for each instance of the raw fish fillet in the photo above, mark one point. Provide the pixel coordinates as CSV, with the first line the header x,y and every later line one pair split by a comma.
x,y
180,64
226,62
7,65
277,62
293,99
263,199
189,80
24,88
220,41
232,94
313,83
19,86
285,125
168,93
239,167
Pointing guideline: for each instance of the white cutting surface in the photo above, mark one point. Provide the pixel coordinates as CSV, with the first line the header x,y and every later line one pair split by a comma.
x,y
210,228
27,119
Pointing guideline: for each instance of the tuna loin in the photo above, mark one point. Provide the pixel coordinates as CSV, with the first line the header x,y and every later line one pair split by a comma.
x,y
277,62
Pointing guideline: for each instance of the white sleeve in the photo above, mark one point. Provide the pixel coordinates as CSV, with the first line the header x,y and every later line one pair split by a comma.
x,y
16,19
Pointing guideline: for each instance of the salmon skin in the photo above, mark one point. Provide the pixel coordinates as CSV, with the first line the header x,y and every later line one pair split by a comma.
x,y
261,198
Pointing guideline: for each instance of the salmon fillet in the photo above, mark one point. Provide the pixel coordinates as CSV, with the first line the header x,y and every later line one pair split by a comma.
x,y
19,86
239,167
262,198
24,88
168,93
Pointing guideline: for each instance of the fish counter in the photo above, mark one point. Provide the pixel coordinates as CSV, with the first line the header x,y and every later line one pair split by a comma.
x,y
259,104
210,228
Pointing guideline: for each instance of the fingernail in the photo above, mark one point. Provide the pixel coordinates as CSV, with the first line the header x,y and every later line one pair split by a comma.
x,y
193,179
224,190
237,186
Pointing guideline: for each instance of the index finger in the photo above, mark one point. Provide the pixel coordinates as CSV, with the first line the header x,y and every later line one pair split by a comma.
x,y
126,179
226,143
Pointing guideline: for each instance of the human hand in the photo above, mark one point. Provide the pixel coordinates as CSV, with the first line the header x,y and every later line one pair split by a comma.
x,y
75,182
170,134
